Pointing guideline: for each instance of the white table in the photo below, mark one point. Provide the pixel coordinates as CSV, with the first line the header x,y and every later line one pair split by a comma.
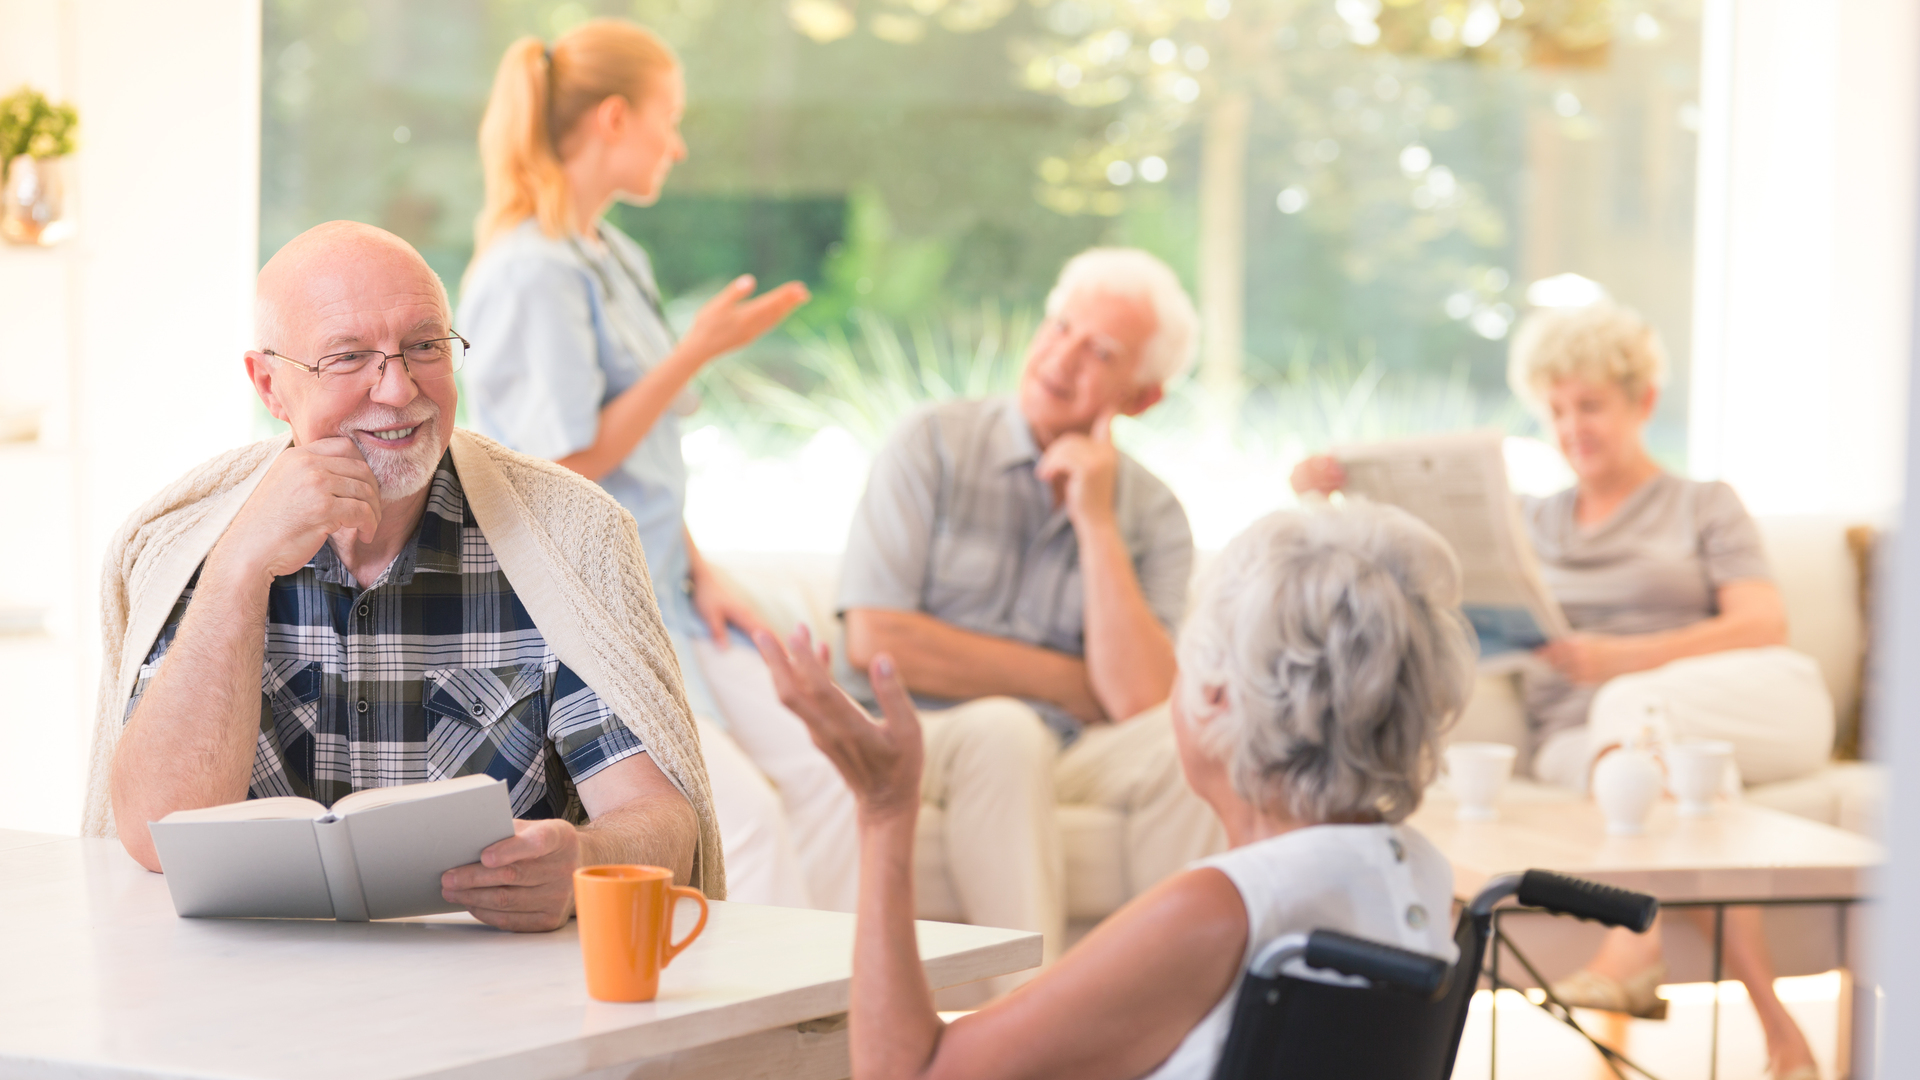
x,y
99,978
1743,851
1742,854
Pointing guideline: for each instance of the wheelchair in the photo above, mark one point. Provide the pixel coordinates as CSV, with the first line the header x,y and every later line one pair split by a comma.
x,y
1404,1021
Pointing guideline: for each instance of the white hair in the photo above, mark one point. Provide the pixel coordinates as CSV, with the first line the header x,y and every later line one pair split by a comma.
x,y
1336,635
1600,343
1133,273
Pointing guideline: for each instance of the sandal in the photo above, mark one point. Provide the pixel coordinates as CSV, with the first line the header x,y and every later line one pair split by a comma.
x,y
1635,996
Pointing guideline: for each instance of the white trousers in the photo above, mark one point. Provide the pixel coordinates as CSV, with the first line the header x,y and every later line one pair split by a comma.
x,y
762,865
1771,704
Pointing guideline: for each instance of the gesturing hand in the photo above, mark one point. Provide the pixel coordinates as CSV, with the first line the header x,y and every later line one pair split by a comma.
x,y
880,761
524,882
309,493
1081,469
730,320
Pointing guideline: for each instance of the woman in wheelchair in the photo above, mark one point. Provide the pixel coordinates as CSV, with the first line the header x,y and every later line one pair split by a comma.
x,y
1323,661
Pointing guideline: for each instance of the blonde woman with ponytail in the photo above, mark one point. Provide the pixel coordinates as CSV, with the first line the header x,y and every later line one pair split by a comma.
x,y
573,360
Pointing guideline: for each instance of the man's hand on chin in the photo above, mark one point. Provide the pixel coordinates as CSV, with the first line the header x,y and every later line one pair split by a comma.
x,y
523,883
1082,469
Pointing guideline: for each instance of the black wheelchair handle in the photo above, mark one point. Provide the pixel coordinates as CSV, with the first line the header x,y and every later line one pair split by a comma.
x,y
1585,899
1382,965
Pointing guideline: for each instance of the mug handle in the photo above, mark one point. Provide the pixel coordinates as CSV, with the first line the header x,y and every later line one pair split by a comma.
x,y
669,948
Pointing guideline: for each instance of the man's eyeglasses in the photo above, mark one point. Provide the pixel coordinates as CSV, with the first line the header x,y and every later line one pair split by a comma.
x,y
362,369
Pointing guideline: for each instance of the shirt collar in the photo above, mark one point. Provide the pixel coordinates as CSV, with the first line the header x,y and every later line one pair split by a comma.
x,y
1012,438
434,547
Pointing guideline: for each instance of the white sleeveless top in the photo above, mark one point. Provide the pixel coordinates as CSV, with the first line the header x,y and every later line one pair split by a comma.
x,y
1386,883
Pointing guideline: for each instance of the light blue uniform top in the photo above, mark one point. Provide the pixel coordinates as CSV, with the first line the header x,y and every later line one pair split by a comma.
x,y
559,329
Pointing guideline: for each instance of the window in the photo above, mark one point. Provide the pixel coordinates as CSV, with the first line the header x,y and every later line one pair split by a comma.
x,y
1359,194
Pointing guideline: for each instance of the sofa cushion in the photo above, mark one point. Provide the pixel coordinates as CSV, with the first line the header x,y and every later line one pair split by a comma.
x,y
1848,794
1820,587
1493,714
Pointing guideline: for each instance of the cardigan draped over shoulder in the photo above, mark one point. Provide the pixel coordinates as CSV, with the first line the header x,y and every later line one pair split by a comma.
x,y
570,551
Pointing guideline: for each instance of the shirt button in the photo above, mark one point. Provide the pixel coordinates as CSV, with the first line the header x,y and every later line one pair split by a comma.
x,y
1399,849
1416,916
363,610
478,708
362,707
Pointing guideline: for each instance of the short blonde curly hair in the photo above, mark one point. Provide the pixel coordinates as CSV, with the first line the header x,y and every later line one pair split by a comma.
x,y
1337,636
1601,343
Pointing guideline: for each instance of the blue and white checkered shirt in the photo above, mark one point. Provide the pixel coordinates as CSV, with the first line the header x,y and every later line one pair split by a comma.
x,y
435,671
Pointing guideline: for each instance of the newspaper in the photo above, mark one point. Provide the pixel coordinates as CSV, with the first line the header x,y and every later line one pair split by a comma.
x,y
1457,483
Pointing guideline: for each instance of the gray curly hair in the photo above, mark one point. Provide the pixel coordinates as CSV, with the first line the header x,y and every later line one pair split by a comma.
x,y
1337,636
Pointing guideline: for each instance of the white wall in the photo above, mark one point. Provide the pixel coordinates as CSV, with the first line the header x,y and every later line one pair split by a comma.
x,y
1805,269
130,334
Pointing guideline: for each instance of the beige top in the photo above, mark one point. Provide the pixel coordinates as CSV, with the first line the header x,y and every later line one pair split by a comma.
x,y
571,553
1656,563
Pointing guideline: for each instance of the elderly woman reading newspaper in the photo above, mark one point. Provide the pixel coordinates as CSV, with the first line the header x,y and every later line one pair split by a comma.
x,y
1677,624
1324,660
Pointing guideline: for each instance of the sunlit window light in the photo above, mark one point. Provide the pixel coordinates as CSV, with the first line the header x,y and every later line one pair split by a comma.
x,y
1567,290
1483,21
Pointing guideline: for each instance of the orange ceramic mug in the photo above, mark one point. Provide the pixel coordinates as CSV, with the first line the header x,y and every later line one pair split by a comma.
x,y
626,927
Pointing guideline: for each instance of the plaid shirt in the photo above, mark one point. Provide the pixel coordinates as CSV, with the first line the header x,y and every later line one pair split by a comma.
x,y
435,671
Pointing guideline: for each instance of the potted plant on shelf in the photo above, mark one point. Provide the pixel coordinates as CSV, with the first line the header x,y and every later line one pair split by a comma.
x,y
35,135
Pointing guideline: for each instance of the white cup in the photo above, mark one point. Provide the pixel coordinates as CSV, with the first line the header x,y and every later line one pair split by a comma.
x,y
1476,772
1697,768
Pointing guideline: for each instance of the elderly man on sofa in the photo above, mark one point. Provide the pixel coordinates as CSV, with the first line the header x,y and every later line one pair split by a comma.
x,y
387,600
1026,577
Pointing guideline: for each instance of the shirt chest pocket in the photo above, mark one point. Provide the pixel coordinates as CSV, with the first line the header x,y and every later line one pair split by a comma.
x,y
966,577
292,689
475,713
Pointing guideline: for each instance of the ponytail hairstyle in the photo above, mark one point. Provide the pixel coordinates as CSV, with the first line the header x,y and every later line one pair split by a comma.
x,y
539,96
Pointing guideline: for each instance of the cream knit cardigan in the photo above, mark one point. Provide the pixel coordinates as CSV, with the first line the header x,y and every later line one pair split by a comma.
x,y
571,552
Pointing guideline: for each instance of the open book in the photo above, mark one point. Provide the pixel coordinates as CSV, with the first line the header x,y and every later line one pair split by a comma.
x,y
378,854
1457,483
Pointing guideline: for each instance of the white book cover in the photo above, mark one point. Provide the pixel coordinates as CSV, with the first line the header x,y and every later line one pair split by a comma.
x,y
376,854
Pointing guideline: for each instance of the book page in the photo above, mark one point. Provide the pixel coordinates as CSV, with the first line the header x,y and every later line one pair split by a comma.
x,y
373,798
403,847
1457,484
283,806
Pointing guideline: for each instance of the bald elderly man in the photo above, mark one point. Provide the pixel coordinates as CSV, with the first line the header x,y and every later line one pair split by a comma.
x,y
379,599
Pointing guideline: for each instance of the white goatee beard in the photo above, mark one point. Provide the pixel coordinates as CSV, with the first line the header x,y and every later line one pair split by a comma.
x,y
399,473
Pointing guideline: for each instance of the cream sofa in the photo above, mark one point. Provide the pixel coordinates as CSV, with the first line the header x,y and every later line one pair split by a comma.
x,y
1815,574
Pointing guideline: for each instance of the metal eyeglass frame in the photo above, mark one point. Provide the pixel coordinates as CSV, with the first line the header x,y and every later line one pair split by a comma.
x,y
385,358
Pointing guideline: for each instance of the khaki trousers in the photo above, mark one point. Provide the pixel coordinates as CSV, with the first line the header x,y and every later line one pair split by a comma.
x,y
998,773
1134,767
